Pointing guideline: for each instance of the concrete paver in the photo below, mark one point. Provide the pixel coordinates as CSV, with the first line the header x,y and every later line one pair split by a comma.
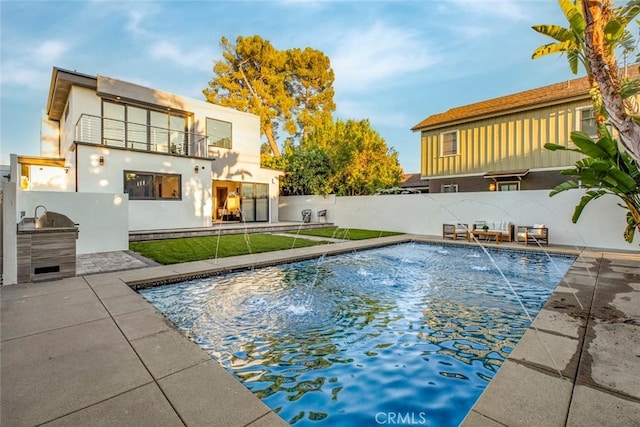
x,y
127,303
615,354
168,352
142,323
139,407
593,407
521,396
33,314
207,393
47,375
560,323
551,351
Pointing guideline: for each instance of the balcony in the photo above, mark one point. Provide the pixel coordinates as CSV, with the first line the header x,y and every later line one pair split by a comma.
x,y
133,136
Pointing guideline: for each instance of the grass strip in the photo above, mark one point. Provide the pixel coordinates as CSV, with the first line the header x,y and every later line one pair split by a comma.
x,y
348,233
172,251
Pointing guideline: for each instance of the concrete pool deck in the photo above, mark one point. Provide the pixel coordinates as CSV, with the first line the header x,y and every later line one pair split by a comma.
x,y
89,350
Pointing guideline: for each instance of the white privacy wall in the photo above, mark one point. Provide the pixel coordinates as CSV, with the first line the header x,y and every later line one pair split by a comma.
x,y
601,225
103,218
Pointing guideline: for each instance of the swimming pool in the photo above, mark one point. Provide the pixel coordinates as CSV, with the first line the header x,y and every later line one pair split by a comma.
x,y
406,334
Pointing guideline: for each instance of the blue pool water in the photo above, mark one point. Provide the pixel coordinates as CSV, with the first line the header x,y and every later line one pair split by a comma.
x,y
407,334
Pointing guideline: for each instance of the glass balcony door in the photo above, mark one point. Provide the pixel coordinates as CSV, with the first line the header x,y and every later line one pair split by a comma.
x,y
113,124
255,202
137,125
143,129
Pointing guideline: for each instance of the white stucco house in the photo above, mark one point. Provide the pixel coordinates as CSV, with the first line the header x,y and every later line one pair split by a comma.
x,y
119,157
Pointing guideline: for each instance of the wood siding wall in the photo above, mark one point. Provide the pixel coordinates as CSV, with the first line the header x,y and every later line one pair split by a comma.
x,y
514,141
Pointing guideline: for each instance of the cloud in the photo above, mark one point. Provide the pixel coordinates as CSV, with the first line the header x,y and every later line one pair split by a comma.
x,y
199,59
30,63
357,110
51,51
378,55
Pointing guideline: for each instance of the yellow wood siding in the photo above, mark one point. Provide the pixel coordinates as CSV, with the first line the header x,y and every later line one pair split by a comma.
x,y
514,141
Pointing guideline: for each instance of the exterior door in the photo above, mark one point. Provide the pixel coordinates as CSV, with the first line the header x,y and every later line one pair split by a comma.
x,y
255,202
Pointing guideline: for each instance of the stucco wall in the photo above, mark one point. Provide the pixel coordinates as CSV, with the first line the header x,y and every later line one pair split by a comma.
x,y
601,225
102,217
193,210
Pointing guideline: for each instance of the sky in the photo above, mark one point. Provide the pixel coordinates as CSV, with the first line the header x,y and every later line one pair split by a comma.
x,y
395,62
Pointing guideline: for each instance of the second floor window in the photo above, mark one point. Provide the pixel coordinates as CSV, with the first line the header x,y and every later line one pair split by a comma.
x,y
219,133
586,121
143,129
449,143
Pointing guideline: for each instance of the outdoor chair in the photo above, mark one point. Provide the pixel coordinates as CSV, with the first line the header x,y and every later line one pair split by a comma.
x,y
306,215
536,233
455,231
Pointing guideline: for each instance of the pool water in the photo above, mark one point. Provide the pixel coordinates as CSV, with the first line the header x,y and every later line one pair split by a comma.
x,y
406,334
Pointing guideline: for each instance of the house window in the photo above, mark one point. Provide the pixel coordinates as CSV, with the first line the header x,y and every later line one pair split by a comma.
x,y
509,186
218,133
152,186
586,121
449,188
113,120
449,143
143,129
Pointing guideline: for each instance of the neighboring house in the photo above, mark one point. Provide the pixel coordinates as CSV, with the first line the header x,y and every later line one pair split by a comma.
x,y
182,163
498,145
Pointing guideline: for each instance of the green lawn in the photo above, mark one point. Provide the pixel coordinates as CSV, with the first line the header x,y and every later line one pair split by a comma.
x,y
348,233
172,251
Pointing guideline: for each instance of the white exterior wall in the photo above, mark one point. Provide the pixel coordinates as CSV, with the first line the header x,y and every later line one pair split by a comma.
x,y
81,101
194,210
9,236
601,225
102,217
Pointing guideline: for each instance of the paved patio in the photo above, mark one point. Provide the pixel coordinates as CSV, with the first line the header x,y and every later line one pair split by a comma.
x,y
89,350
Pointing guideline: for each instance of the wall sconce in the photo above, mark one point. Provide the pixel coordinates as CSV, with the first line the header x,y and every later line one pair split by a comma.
x,y
492,186
101,160
196,169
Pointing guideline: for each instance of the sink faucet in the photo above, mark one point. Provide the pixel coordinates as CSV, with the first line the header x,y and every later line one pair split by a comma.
x,y
35,211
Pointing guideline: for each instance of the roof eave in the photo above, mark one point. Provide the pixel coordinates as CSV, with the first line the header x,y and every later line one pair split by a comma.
x,y
61,82
519,109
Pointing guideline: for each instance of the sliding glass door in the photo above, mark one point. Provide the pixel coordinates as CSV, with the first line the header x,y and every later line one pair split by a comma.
x,y
255,202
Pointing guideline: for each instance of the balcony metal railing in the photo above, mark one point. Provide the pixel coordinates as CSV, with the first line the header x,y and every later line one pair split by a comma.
x,y
117,133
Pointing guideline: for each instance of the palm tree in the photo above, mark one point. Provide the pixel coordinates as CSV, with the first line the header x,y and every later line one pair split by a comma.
x,y
569,41
595,30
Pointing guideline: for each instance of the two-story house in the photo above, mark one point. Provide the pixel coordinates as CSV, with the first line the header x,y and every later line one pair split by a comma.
x,y
182,163
498,144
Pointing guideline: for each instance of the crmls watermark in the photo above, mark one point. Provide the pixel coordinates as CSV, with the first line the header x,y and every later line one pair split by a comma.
x,y
401,418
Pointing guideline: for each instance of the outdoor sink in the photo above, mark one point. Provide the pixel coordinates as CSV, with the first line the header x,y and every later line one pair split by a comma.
x,y
53,220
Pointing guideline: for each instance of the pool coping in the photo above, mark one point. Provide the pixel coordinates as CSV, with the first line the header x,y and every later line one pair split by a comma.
x,y
183,386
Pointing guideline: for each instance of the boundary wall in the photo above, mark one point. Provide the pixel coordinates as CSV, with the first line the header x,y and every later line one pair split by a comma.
x,y
601,224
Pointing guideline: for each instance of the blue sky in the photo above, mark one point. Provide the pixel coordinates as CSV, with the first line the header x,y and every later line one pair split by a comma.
x,y
395,62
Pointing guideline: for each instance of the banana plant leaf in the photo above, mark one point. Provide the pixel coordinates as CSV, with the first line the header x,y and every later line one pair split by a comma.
x,y
588,147
573,12
589,196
